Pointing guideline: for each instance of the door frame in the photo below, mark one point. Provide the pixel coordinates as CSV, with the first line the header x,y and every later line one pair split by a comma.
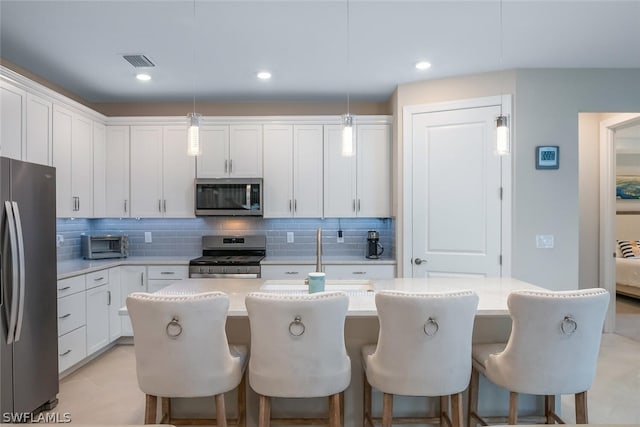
x,y
608,208
408,113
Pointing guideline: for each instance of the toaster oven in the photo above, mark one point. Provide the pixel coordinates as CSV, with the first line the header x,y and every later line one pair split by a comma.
x,y
104,246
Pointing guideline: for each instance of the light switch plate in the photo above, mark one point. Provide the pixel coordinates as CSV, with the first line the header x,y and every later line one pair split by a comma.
x,y
147,237
544,241
289,236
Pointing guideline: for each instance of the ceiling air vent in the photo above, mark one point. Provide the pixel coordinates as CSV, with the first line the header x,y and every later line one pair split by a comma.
x,y
139,61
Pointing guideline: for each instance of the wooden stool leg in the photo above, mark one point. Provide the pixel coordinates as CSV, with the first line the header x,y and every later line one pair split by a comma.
x,y
513,407
456,410
472,410
334,410
150,409
165,413
366,401
387,409
444,410
342,408
550,408
221,412
264,415
582,415
242,402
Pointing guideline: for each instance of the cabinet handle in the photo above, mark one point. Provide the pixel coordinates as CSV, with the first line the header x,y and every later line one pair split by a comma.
x,y
230,165
289,205
164,205
358,205
295,205
125,205
291,272
66,288
142,279
354,205
64,316
358,272
226,162
108,297
98,279
159,205
65,353
78,203
167,272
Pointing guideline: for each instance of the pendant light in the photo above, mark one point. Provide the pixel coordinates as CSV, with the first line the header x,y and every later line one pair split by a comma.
x,y
503,145
193,135
348,149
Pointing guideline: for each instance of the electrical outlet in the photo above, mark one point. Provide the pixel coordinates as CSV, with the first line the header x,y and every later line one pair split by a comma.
x,y
59,240
544,241
340,237
147,237
289,236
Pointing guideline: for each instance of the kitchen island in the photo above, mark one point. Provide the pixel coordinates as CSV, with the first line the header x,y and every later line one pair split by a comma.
x,y
361,327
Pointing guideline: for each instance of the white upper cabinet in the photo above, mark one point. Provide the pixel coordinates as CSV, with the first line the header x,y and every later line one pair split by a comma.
x,y
117,172
73,159
99,170
38,148
12,120
359,185
229,151
162,173
293,171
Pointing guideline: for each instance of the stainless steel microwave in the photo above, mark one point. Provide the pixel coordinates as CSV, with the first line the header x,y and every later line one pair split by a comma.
x,y
228,196
104,246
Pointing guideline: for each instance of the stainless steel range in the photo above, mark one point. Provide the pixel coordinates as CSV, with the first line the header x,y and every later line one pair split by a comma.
x,y
229,256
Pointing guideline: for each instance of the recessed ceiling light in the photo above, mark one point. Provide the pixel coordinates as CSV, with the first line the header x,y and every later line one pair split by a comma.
x,y
143,77
264,75
423,65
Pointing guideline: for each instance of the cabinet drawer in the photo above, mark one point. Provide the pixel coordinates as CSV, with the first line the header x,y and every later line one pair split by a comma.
x,y
168,272
97,278
71,285
71,313
298,271
72,348
359,271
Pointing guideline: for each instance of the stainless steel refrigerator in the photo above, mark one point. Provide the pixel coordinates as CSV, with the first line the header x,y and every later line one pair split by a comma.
x,y
28,305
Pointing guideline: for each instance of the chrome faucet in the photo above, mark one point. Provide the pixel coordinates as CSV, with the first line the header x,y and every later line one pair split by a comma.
x,y
319,250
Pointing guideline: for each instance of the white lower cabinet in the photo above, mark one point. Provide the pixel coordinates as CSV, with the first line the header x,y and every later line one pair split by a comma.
x,y
293,271
359,271
161,276
133,278
97,318
115,304
72,348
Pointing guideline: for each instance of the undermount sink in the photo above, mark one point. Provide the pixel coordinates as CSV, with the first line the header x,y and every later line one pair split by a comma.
x,y
298,286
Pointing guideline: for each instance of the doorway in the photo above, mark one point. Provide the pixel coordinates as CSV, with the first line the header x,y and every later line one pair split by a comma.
x,y
457,190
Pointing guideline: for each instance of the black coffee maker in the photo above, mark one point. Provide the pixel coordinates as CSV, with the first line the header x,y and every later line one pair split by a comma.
x,y
374,248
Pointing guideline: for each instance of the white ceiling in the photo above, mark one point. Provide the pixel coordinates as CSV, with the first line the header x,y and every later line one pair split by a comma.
x,y
78,44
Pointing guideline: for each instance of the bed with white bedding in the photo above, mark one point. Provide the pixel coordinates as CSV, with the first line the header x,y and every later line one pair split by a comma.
x,y
628,276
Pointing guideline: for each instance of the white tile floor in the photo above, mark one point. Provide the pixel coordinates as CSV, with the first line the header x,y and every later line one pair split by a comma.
x,y
105,391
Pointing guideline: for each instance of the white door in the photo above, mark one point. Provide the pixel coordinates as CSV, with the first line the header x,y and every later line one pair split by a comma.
x,y
179,171
146,171
307,171
97,318
339,176
38,148
82,165
117,172
373,153
245,151
278,173
213,161
456,194
99,170
12,120
61,137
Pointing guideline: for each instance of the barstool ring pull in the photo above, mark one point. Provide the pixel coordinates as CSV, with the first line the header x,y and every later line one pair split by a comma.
x,y
174,328
296,328
430,327
568,325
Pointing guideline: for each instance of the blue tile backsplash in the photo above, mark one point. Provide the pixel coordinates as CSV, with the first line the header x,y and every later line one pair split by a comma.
x,y
183,237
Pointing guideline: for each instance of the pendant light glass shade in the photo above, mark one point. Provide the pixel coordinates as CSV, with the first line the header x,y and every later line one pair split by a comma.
x,y
503,145
193,137
348,149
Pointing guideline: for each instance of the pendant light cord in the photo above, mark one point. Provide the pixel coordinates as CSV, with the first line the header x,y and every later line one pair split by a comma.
x,y
501,58
348,60
193,51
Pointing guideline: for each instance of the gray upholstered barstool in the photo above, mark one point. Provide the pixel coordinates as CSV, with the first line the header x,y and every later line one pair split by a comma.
x,y
298,351
182,351
423,349
552,350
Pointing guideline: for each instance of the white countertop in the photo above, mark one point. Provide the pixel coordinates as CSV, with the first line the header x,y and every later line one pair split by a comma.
x,y
492,292
332,260
83,266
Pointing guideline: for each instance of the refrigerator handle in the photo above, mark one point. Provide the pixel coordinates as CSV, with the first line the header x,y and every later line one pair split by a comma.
x,y
22,271
11,309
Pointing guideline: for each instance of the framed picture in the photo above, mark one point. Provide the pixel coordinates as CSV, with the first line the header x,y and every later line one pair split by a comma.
x,y
628,193
547,157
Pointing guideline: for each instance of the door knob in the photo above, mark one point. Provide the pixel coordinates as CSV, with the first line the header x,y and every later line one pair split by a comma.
x,y
418,261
